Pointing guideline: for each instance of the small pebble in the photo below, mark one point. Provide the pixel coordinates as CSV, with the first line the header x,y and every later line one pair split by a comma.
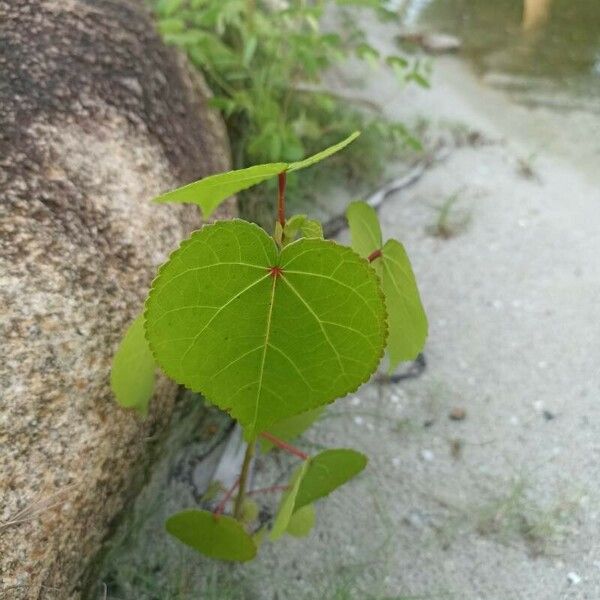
x,y
573,578
427,455
359,420
548,415
396,461
355,401
458,413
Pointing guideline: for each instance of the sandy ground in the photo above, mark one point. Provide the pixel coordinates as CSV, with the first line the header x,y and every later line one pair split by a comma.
x,y
503,504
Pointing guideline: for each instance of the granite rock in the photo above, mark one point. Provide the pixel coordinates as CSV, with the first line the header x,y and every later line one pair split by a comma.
x,y
97,116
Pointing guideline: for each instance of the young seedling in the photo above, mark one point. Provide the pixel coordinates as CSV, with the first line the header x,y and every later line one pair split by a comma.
x,y
270,329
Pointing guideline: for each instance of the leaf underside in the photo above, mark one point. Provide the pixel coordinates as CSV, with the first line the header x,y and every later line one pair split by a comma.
x,y
263,344
133,369
223,538
287,503
302,521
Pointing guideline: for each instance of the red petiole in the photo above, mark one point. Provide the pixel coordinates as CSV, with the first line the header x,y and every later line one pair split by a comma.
x,y
221,506
284,445
375,254
281,199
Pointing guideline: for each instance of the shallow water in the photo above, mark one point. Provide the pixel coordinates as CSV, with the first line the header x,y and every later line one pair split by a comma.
x,y
548,55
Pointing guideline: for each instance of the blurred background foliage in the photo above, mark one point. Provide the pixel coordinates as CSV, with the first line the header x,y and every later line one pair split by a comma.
x,y
265,62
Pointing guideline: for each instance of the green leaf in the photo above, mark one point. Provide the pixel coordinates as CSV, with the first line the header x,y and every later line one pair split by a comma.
x,y
262,333
250,511
291,428
315,158
407,321
301,223
133,369
217,537
209,192
302,521
327,471
288,500
365,231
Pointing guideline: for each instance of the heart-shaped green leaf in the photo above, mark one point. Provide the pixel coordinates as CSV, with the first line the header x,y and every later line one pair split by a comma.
x,y
133,369
327,471
217,537
407,320
288,501
209,192
263,333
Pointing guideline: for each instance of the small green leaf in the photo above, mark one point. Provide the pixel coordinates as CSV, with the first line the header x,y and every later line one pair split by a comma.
x,y
133,369
301,223
407,321
209,192
220,537
302,521
315,158
288,500
291,428
250,511
264,333
365,230
327,471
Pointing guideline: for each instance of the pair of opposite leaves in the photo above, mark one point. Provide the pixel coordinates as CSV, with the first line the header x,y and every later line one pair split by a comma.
x,y
266,333
225,538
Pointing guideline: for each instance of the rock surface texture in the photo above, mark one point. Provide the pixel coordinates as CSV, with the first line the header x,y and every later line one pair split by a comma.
x,y
96,117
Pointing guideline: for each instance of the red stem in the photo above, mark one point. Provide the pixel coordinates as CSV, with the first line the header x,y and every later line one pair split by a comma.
x,y
281,198
284,446
273,488
375,254
221,506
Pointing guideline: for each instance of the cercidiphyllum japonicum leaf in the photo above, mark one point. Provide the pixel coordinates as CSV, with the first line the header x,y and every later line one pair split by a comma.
x,y
219,537
407,321
327,471
302,521
301,224
291,428
287,503
262,333
209,192
133,369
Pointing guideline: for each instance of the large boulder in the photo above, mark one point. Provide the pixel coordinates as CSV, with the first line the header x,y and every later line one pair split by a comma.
x,y
96,118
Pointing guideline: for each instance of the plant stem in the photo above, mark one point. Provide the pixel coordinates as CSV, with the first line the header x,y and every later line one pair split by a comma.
x,y
281,199
273,488
375,254
221,507
284,445
239,501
